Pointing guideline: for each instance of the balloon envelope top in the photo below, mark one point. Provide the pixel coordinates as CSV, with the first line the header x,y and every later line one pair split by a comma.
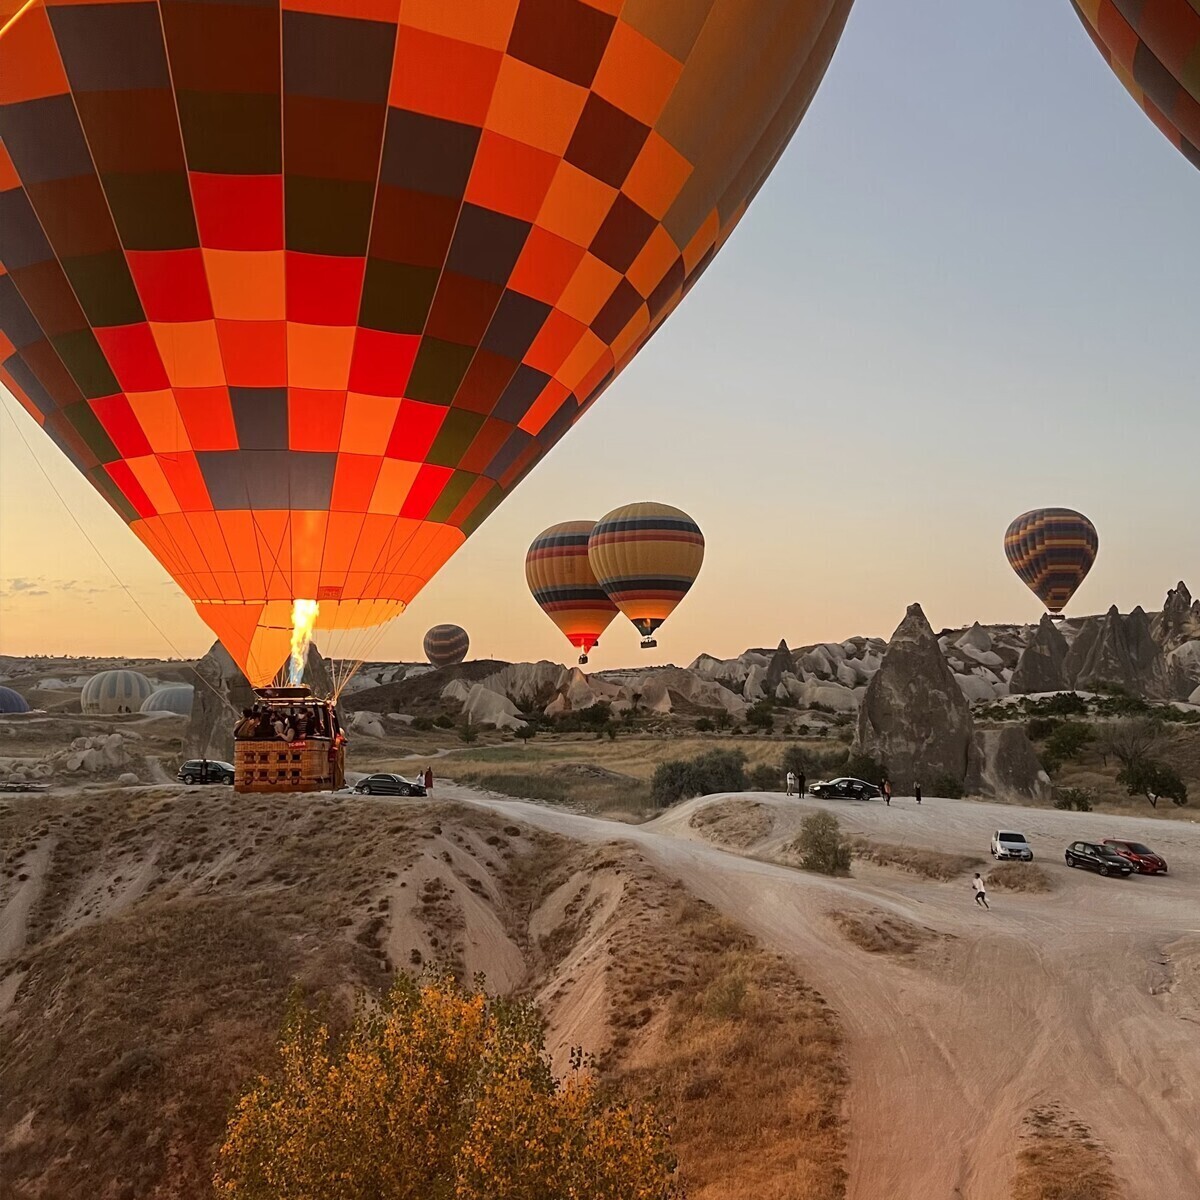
x,y
305,288
1154,50
1052,550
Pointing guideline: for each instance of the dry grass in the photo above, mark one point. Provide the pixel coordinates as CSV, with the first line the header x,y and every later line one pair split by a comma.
x,y
737,823
881,933
929,864
592,789
1061,1160
1019,877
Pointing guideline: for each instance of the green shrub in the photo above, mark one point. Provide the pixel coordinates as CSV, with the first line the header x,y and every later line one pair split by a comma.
x,y
1040,728
863,766
1063,704
764,778
712,771
821,845
1074,799
949,787
444,721
1068,740
467,732
796,758
761,715
704,725
422,724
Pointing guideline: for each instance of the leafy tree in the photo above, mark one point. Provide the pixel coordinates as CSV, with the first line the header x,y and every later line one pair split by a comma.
x,y
821,845
1074,799
1064,704
712,771
722,720
764,778
863,766
526,732
795,758
761,714
1130,741
1040,728
704,725
444,721
467,732
1065,742
949,786
440,1093
422,724
1155,781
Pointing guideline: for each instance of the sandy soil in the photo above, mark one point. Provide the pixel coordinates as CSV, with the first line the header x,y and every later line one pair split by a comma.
x,y
1086,997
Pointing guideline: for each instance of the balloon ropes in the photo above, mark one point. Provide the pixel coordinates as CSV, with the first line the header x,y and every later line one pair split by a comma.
x,y
1052,550
564,585
646,557
304,315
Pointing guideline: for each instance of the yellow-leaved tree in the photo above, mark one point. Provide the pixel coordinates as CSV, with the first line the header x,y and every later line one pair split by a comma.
x,y
441,1093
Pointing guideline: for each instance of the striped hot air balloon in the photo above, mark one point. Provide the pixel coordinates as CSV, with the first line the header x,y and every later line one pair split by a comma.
x,y
1154,50
562,581
646,557
1052,550
446,645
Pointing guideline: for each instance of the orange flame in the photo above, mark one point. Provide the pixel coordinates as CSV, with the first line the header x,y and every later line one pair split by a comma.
x,y
304,617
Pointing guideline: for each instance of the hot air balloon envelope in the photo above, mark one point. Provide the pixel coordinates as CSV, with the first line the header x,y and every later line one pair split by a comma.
x,y
446,645
1052,550
306,288
646,557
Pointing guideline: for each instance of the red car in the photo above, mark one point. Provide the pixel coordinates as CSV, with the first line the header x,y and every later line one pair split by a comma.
x,y
1144,860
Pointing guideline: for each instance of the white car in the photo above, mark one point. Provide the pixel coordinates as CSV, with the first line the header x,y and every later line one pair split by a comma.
x,y
1006,844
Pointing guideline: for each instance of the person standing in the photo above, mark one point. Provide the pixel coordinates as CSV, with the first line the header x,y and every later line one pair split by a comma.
x,y
917,792
791,783
428,779
886,788
801,784
980,891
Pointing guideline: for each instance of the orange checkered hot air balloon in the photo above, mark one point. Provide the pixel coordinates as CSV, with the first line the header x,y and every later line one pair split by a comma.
x,y
1153,47
563,584
306,287
646,557
1051,550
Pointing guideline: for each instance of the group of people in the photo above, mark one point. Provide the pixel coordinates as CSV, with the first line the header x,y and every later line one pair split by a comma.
x,y
797,785
266,722
886,789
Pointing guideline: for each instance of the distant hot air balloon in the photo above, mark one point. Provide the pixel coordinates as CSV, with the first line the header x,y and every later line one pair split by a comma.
x,y
446,645
1154,50
1052,550
564,585
646,556
305,290
116,691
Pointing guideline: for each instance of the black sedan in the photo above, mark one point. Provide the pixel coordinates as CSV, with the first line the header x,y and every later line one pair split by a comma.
x,y
205,770
1094,857
845,788
388,785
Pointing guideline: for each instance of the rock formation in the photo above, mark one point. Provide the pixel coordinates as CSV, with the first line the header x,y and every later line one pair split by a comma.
x,y
1040,667
914,717
1004,765
1179,620
781,664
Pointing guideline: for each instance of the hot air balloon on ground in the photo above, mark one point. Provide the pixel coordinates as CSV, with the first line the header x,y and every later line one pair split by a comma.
x,y
1052,550
562,581
305,313
446,645
646,557
1154,50
118,691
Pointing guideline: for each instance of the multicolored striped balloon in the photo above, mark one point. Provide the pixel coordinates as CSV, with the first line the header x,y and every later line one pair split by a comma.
x,y
1052,550
646,557
1154,49
446,645
563,584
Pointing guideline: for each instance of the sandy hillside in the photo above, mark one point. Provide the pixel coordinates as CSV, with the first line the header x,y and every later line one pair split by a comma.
x,y
149,938
1084,998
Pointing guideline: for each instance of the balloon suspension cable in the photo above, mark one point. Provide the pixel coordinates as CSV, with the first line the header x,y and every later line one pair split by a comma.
x,y
116,578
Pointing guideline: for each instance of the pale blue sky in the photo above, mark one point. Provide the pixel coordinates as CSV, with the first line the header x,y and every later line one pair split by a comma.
x,y
968,289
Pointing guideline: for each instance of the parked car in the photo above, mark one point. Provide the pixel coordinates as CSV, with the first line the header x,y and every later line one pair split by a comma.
x,y
386,784
845,788
1145,861
205,770
1095,857
1006,844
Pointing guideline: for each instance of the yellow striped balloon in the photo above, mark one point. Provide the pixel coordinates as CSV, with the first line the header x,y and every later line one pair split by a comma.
x,y
1052,550
446,645
562,582
646,557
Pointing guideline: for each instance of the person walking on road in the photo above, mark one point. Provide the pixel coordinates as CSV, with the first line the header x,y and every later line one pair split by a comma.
x,y
791,783
980,891
887,792
917,792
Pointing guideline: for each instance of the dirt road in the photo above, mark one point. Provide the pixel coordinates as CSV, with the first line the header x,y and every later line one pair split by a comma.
x,y
1088,996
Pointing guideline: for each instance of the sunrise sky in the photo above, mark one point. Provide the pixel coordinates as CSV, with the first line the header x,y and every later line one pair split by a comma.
x,y
968,289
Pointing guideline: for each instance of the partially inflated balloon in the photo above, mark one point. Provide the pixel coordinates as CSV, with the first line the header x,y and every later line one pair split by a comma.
x,y
1052,550
446,645
305,287
563,584
1154,49
646,557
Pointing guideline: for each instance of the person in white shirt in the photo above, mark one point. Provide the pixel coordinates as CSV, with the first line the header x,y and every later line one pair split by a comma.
x,y
980,890
791,783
